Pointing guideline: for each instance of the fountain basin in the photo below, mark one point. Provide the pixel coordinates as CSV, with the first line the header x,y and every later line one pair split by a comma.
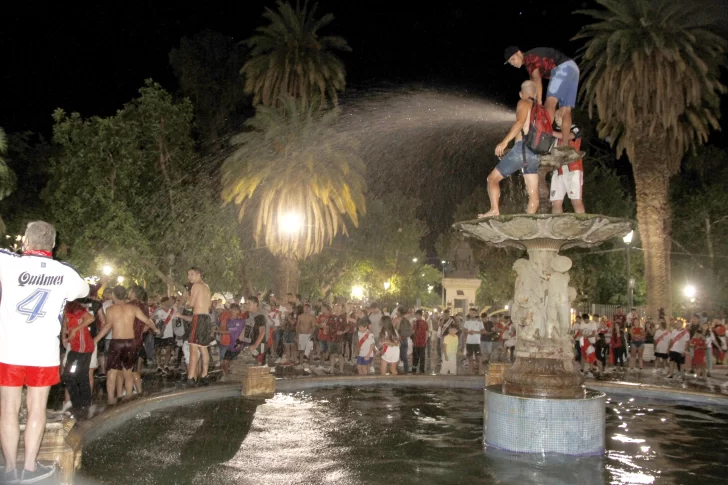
x,y
532,425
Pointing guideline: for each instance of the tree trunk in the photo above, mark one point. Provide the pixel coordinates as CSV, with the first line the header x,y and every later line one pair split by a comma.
x,y
651,169
287,277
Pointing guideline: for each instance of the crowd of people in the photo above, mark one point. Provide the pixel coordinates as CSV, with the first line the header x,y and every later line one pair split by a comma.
x,y
602,343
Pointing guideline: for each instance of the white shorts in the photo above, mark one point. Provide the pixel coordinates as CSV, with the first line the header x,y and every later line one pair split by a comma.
x,y
568,183
449,367
303,340
391,356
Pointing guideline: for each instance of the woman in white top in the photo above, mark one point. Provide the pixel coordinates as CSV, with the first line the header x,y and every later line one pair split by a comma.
x,y
389,340
662,345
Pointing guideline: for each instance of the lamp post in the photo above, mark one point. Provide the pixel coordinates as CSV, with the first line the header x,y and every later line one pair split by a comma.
x,y
630,282
443,283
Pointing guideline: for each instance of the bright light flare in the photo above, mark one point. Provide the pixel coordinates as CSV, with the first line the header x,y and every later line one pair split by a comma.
x,y
290,222
108,270
357,292
689,291
628,238
387,284
120,279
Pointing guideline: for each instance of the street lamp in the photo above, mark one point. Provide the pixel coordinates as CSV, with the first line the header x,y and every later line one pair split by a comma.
x,y
387,284
414,260
689,291
120,279
630,282
443,282
108,270
357,292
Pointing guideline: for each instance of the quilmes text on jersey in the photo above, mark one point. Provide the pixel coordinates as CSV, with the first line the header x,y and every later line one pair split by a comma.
x,y
26,278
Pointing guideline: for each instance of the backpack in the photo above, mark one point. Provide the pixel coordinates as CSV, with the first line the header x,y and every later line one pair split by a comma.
x,y
539,138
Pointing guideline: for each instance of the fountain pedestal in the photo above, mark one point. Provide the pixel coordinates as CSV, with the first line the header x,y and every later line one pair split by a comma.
x,y
543,392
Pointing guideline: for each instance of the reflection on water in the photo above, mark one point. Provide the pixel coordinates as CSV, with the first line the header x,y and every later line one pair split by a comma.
x,y
393,436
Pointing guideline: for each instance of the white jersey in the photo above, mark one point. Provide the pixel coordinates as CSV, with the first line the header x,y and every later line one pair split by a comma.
x,y
34,294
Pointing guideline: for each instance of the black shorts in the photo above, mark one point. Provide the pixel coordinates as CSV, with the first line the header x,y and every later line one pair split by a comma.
x,y
231,355
164,342
661,356
103,345
677,357
472,349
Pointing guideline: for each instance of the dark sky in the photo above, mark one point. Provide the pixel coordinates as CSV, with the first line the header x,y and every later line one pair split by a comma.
x,y
93,60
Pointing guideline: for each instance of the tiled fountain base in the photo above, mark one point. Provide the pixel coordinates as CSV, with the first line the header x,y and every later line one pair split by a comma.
x,y
537,425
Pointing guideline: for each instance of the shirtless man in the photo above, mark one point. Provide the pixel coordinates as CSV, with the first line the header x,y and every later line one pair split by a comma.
x,y
201,331
122,350
304,328
519,158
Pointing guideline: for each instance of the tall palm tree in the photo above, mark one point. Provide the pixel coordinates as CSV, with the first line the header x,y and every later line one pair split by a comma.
x,y
651,72
288,56
299,179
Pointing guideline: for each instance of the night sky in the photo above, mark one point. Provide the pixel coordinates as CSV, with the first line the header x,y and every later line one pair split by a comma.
x,y
93,60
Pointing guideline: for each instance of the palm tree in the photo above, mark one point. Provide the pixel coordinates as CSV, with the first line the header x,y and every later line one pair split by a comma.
x,y
299,178
287,56
651,71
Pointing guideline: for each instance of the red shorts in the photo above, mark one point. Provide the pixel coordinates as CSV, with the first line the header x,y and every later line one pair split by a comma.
x,y
31,376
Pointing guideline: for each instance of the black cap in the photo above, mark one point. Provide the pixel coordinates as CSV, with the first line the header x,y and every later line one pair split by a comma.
x,y
510,50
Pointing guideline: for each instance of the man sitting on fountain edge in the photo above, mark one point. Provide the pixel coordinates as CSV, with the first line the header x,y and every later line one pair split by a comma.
x,y
520,157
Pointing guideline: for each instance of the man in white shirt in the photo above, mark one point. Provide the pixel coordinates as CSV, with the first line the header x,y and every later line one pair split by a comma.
x,y
678,341
474,328
35,289
588,344
164,319
375,318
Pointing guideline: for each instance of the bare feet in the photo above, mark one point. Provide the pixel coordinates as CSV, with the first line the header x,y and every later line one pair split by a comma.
x,y
490,213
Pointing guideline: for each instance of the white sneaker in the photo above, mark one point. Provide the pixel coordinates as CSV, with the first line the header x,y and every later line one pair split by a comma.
x,y
278,360
371,370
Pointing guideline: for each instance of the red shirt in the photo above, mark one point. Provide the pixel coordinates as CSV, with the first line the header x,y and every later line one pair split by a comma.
x,y
82,341
419,333
638,334
225,337
323,333
577,165
337,323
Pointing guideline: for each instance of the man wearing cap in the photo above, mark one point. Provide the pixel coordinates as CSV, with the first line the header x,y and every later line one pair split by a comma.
x,y
562,73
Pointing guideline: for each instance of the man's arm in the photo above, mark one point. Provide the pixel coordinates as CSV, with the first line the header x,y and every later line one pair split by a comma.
x,y
64,332
102,333
139,314
521,116
536,78
86,320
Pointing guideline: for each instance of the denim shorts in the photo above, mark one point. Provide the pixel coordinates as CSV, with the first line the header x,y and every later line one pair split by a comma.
x,y
514,161
364,360
564,84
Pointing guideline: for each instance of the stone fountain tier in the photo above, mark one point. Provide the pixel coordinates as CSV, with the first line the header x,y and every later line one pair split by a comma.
x,y
544,365
542,405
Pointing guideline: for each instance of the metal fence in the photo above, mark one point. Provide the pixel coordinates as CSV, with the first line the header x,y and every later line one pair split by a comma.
x,y
608,310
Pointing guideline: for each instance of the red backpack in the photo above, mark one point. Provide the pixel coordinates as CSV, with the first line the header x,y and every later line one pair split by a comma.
x,y
540,136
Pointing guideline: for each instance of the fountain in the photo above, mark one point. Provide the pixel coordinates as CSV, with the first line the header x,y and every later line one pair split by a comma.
x,y
542,405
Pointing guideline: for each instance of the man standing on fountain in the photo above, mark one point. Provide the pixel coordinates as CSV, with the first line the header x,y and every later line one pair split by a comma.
x,y
34,292
562,73
520,157
201,328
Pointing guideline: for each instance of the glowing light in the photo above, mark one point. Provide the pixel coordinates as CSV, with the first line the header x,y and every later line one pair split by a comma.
x,y
689,291
387,284
627,439
120,279
628,238
290,222
443,261
414,260
357,292
429,289
108,270
506,307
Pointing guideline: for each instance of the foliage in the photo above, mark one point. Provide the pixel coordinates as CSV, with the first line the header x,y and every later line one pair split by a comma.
x,y
382,249
128,190
296,176
288,56
652,67
699,201
7,176
208,68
